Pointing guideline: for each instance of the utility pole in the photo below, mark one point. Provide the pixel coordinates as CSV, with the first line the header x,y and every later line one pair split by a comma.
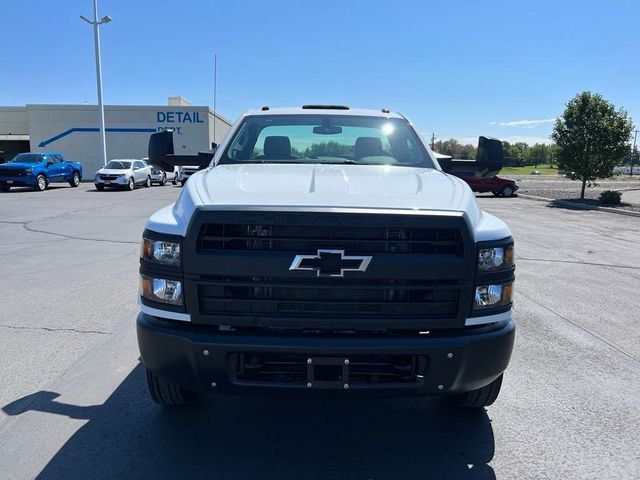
x,y
96,37
215,80
433,140
633,152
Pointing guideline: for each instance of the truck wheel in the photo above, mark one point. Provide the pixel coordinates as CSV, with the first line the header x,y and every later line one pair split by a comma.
x,y
100,187
483,397
506,191
147,182
131,185
41,183
167,394
75,179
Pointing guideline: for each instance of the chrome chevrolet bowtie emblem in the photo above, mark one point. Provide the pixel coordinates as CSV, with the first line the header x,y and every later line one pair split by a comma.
x,y
330,263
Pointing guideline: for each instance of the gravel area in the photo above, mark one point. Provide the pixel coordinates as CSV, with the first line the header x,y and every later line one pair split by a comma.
x,y
560,188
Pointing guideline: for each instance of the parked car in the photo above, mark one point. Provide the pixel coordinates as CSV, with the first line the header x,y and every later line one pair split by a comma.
x,y
158,176
38,170
185,172
365,271
499,186
126,173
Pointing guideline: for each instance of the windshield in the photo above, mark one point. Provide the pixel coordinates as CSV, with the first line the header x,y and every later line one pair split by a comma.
x,y
27,158
338,139
117,165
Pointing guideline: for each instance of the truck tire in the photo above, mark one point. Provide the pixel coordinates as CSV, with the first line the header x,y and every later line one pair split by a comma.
x,y
131,184
147,182
100,187
75,179
506,191
167,394
41,183
483,397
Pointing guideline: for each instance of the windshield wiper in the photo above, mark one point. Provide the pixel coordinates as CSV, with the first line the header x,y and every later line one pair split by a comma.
x,y
345,161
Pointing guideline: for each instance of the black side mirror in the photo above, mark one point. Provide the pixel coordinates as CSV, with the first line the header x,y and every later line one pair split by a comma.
x,y
446,164
490,150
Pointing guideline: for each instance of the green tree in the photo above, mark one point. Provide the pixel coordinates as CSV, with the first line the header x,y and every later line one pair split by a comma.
x,y
591,138
456,149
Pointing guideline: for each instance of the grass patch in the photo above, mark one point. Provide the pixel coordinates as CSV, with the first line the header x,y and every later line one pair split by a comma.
x,y
544,170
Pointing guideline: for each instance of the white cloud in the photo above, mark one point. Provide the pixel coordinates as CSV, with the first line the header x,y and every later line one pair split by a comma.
x,y
523,123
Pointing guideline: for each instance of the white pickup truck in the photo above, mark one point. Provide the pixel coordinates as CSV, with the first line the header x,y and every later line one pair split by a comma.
x,y
325,252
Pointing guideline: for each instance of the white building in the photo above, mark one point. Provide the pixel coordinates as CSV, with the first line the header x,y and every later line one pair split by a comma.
x,y
74,130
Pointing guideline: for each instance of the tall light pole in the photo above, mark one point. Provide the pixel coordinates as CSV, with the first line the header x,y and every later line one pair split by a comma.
x,y
633,152
96,36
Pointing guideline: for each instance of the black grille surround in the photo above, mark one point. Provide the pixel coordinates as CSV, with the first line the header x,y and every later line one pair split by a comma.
x,y
420,277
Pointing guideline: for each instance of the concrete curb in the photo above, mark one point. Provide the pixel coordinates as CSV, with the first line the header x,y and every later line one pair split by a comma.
x,y
579,206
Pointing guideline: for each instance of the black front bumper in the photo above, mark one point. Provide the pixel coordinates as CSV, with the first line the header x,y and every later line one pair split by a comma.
x,y
201,360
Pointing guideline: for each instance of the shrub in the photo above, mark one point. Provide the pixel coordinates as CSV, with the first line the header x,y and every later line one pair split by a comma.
x,y
610,197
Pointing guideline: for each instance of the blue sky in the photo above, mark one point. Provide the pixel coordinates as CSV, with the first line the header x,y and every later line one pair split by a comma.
x,y
459,69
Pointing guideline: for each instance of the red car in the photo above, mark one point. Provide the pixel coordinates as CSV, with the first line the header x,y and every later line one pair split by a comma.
x,y
500,187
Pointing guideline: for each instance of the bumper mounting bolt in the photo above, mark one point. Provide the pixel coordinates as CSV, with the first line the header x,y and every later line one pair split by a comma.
x,y
440,387
449,355
309,361
346,386
205,352
214,384
346,362
309,385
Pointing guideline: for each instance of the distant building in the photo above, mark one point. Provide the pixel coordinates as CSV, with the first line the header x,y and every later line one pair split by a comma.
x,y
74,130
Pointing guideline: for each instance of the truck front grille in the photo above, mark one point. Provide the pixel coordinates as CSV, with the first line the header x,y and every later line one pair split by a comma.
x,y
310,238
238,266
12,172
108,177
328,297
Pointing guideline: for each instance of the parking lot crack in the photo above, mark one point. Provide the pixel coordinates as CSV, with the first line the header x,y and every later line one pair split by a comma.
x,y
48,329
74,237
579,262
586,330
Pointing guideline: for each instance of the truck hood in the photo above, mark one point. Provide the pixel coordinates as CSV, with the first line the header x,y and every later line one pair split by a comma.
x,y
316,185
19,165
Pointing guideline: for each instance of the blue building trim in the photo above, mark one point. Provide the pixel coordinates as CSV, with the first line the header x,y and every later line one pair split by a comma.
x,y
44,143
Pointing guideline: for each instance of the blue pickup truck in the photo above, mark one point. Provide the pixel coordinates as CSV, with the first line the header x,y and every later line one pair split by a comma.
x,y
38,170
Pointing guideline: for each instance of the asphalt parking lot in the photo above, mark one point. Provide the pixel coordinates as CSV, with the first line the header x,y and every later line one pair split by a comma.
x,y
74,404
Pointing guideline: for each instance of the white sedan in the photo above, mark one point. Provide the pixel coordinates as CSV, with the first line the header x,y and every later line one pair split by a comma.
x,y
123,174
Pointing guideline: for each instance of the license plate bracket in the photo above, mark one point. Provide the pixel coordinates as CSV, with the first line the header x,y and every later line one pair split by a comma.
x,y
328,372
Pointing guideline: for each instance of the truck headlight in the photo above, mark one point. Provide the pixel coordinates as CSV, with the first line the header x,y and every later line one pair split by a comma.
x,y
160,251
161,290
489,296
495,258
